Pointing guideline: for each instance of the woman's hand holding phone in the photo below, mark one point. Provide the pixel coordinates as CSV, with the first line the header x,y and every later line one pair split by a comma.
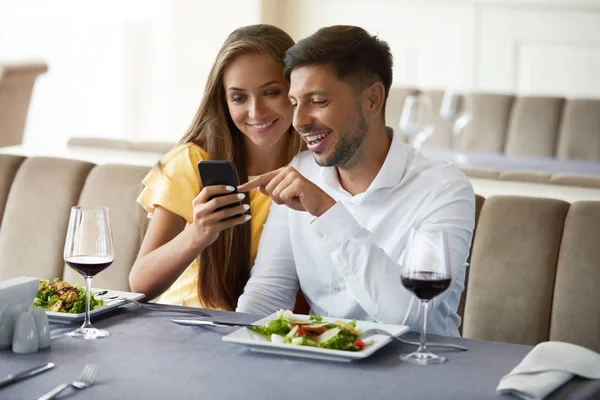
x,y
213,212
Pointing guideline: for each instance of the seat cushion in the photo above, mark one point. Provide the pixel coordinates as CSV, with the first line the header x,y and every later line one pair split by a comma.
x,y
576,303
533,126
116,187
9,164
33,230
513,265
579,135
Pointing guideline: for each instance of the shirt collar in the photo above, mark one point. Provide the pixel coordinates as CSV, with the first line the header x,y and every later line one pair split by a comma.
x,y
389,175
393,167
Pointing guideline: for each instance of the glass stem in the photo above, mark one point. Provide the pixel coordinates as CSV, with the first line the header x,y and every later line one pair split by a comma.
x,y
456,132
423,344
88,289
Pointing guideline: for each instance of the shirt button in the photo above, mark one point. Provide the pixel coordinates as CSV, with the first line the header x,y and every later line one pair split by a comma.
x,y
337,289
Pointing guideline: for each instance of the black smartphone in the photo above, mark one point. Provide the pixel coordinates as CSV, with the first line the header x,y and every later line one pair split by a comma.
x,y
219,172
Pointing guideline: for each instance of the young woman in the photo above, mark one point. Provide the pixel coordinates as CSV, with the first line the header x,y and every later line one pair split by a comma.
x,y
190,255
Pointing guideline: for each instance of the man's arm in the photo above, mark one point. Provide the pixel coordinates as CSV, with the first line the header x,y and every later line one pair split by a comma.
x,y
273,281
373,278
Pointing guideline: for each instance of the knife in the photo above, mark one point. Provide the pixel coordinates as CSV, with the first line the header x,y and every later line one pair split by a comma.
x,y
12,378
199,322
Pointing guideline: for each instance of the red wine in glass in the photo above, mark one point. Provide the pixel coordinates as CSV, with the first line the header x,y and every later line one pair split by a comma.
x,y
426,285
426,272
89,251
89,266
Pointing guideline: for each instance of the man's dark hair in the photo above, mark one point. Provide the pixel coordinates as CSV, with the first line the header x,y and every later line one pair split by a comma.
x,y
358,58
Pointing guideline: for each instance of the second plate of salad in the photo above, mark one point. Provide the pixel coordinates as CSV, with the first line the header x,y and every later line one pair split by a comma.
x,y
347,343
65,302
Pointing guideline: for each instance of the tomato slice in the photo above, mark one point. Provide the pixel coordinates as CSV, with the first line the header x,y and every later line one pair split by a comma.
x,y
359,343
302,332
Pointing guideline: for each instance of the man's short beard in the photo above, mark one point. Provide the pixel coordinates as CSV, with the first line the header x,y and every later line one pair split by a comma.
x,y
346,153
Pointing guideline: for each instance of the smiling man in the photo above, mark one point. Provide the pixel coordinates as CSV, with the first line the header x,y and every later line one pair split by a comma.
x,y
338,227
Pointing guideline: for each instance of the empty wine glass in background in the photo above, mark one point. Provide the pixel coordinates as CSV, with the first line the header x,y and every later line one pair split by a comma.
x,y
426,273
457,109
416,120
88,250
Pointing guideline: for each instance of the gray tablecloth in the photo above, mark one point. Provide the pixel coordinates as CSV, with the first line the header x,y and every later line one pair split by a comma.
x,y
149,357
503,162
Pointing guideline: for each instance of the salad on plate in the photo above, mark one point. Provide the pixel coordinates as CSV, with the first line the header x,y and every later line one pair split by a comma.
x,y
289,328
59,296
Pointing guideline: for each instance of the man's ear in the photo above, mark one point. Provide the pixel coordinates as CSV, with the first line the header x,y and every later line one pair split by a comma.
x,y
374,97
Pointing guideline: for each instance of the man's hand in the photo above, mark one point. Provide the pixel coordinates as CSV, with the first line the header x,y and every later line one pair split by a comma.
x,y
287,186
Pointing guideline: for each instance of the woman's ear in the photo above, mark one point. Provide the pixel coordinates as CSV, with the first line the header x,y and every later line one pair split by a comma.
x,y
374,99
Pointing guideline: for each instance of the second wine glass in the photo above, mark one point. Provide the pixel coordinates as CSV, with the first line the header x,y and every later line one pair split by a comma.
x,y
426,273
88,250
457,109
416,120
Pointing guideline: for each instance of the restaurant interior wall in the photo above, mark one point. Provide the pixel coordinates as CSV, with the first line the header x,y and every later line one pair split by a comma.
x,y
136,69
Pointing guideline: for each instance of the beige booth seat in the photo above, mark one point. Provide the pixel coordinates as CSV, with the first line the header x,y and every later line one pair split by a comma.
x,y
442,129
154,146
519,125
576,180
575,316
9,164
34,224
17,79
116,187
104,143
149,146
487,130
534,261
524,176
533,126
579,135
395,105
480,172
513,265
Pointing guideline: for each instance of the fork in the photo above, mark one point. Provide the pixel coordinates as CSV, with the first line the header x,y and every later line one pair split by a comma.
x,y
374,331
167,308
86,379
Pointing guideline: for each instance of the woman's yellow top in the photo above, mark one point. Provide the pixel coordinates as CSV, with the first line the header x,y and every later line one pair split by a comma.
x,y
174,187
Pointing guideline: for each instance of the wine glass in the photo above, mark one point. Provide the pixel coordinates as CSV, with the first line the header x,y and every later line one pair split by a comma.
x,y
457,109
88,250
426,273
416,120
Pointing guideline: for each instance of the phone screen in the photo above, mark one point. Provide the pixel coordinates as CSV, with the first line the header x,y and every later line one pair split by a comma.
x,y
219,172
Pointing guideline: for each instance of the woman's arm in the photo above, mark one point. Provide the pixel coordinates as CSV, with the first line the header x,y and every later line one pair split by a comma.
x,y
166,251
171,244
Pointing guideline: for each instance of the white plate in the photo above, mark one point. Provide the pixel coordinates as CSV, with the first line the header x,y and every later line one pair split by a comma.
x,y
261,344
109,305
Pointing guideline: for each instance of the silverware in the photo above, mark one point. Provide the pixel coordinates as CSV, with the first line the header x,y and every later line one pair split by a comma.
x,y
198,322
86,379
374,331
100,293
363,335
28,373
163,307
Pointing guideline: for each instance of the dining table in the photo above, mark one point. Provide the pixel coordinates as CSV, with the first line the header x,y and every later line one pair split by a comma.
x,y
504,162
147,356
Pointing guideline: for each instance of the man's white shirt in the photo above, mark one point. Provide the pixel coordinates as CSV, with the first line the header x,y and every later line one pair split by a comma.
x,y
348,261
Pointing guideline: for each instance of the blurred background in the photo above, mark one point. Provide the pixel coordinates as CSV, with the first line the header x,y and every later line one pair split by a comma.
x,y
135,69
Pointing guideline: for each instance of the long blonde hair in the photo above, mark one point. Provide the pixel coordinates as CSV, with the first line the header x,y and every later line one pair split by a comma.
x,y
224,269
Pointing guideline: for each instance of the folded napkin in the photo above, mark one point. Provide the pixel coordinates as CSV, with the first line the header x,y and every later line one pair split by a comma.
x,y
547,367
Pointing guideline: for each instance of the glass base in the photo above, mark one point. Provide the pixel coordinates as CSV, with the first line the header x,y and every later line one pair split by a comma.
x,y
422,358
88,333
